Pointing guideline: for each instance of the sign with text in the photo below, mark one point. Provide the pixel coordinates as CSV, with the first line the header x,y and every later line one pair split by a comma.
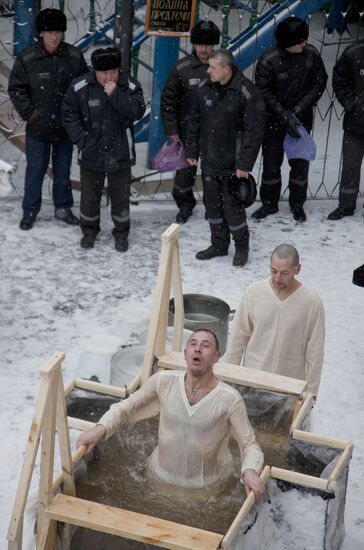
x,y
169,17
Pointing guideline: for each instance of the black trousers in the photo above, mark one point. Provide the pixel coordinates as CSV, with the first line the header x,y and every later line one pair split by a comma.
x,y
353,152
183,188
224,212
92,184
271,185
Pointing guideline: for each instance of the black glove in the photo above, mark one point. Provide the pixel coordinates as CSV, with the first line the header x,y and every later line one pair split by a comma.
x,y
291,126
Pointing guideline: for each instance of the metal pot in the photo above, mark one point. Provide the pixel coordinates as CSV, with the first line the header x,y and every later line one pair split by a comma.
x,y
202,311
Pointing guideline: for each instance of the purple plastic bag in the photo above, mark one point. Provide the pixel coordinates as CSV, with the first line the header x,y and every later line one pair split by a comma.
x,y
171,157
300,148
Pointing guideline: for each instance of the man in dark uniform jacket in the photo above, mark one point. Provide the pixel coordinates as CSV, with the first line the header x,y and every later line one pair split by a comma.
x,y
226,130
99,111
348,84
176,103
38,81
292,78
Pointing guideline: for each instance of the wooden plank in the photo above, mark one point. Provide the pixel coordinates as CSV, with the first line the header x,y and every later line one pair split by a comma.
x,y
309,437
304,410
170,233
131,525
241,375
100,388
243,512
46,528
179,314
299,479
163,286
78,424
341,464
75,458
16,520
64,439
163,302
134,384
69,387
52,364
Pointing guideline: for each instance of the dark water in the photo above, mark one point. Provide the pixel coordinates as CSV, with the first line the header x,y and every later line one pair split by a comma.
x,y
118,475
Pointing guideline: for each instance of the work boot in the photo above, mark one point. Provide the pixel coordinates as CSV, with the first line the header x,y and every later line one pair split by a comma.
x,y
264,211
241,256
339,213
183,215
66,216
211,252
121,242
26,223
298,213
87,241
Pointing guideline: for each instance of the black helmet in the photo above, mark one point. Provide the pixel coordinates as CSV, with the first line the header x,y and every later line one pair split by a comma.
x,y
205,32
291,31
245,190
358,276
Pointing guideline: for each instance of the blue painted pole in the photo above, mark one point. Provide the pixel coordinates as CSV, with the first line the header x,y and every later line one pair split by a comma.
x,y
24,23
165,56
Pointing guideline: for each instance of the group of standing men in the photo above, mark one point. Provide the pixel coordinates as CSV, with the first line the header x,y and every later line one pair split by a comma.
x,y
207,102
229,119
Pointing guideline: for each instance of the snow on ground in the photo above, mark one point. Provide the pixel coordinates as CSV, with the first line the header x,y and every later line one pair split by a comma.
x,y
54,295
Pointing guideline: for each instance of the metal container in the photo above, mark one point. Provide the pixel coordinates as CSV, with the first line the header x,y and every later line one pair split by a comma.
x,y
202,311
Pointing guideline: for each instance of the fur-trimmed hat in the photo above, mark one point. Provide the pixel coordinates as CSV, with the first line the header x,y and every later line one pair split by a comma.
x,y
205,32
358,276
291,31
106,59
51,19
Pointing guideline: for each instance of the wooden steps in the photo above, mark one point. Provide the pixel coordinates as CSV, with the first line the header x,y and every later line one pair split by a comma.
x,y
130,525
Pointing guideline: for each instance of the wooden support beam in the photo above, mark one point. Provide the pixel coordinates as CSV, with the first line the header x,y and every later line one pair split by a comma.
x,y
243,512
96,387
299,479
16,520
131,525
64,438
341,464
46,529
309,437
159,313
303,411
179,313
78,424
241,375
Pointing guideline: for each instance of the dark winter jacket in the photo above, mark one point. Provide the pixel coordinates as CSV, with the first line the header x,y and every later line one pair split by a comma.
x,y
37,84
348,84
179,93
227,126
290,83
101,125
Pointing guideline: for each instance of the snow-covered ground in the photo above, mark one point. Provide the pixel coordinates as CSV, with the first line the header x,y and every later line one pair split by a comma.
x,y
54,295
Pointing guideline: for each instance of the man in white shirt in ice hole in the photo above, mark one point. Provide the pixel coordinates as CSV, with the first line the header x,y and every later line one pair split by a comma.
x,y
198,415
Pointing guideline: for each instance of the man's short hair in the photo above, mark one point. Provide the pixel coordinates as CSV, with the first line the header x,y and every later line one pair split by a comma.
x,y
217,345
284,251
225,57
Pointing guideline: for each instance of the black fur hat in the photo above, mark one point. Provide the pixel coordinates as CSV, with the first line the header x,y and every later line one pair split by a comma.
x,y
291,31
205,32
106,59
51,19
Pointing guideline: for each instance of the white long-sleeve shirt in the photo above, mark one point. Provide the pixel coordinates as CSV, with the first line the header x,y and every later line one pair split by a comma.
x,y
193,440
282,336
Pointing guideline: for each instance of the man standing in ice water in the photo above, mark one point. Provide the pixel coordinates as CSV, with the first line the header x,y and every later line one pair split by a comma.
x,y
279,325
197,414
